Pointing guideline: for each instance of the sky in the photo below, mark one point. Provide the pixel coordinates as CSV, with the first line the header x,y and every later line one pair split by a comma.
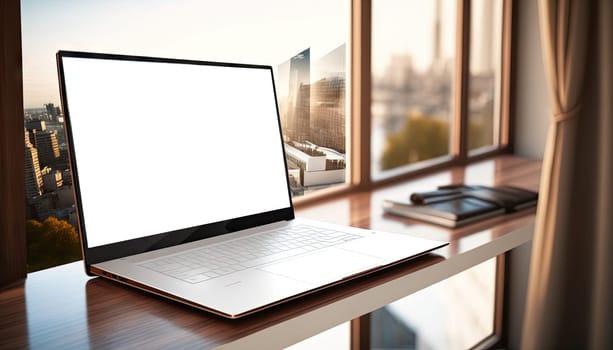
x,y
401,27
264,32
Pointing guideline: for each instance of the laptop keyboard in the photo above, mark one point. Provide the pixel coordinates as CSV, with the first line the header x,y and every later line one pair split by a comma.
x,y
217,260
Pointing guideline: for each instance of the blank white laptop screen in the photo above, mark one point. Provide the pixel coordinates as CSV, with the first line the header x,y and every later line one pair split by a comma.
x,y
152,148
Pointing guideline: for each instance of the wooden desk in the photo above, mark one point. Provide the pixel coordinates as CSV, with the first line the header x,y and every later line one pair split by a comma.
x,y
63,308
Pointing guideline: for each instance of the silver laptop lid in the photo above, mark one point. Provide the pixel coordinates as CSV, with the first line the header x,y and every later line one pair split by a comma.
x,y
165,151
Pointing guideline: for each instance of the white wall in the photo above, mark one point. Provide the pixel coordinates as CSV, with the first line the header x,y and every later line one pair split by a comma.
x,y
532,109
532,112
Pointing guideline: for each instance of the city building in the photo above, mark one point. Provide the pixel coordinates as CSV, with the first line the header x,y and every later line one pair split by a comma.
x,y
65,196
328,113
47,146
52,181
66,177
63,162
47,170
36,124
43,206
53,112
299,97
318,167
33,177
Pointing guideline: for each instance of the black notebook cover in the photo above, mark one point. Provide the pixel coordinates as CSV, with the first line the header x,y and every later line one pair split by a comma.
x,y
451,213
453,206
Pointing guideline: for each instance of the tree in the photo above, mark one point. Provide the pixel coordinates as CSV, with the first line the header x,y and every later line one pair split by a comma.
x,y
426,137
50,243
421,138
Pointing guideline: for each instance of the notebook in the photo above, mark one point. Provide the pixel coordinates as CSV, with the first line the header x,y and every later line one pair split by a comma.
x,y
452,212
182,190
458,205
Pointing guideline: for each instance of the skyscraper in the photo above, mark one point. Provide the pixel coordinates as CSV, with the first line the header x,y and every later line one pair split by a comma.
x,y
33,178
299,97
313,111
327,119
282,87
48,149
328,113
53,112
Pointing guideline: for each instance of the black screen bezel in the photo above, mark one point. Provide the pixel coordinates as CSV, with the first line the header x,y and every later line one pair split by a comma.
x,y
121,249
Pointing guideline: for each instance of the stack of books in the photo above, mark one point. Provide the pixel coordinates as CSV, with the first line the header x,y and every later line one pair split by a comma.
x,y
457,205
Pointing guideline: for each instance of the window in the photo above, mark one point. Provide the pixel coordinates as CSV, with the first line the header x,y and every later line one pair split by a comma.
x,y
306,44
485,74
413,82
437,86
456,313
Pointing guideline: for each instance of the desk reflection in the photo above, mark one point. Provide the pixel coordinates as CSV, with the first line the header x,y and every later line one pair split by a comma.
x,y
119,315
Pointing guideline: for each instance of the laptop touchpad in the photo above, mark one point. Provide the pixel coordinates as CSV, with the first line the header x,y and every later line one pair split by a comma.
x,y
324,266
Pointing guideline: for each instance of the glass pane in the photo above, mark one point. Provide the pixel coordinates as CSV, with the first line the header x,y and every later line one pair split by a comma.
x,y
413,70
304,42
485,70
456,313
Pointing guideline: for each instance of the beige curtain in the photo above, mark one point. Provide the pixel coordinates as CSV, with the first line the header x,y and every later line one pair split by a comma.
x,y
571,276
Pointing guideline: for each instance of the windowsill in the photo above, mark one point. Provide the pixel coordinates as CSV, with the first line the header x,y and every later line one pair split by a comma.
x,y
342,205
406,174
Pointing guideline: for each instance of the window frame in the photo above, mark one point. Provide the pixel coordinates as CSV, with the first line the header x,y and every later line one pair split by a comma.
x,y
359,153
12,186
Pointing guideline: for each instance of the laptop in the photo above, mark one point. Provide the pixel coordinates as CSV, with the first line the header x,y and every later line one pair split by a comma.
x,y
182,189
